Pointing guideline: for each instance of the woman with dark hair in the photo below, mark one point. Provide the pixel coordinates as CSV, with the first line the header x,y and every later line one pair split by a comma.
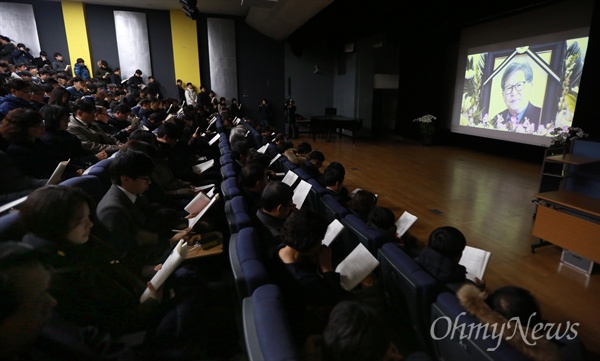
x,y
89,282
24,129
59,96
92,285
361,203
64,143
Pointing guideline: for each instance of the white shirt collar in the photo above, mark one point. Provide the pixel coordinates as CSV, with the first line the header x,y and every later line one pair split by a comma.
x,y
132,197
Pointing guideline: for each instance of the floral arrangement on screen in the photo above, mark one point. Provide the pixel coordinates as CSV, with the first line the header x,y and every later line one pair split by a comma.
x,y
563,137
426,125
471,110
573,67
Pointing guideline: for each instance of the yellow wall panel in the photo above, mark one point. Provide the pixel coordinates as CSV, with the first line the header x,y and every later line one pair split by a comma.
x,y
76,30
185,48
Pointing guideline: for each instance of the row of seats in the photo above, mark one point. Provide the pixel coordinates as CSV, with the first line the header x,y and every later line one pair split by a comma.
x,y
95,183
414,296
249,271
261,314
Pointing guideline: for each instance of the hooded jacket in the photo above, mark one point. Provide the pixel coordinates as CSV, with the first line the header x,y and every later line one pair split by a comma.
x,y
473,300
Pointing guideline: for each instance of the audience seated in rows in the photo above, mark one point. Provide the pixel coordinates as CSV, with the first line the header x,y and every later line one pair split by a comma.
x,y
356,332
64,143
93,285
90,283
139,229
179,157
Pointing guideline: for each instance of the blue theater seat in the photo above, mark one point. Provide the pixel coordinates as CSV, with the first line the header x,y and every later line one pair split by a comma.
x,y
355,227
314,196
267,332
228,171
90,184
410,291
248,269
317,188
332,208
271,150
225,159
223,141
100,170
460,347
286,164
230,189
302,174
10,228
236,212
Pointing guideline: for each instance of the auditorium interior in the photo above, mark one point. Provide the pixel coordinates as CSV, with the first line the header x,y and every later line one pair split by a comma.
x,y
382,63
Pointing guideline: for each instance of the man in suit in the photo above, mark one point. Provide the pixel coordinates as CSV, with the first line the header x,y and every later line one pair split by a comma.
x,y
333,181
276,205
517,87
83,125
135,226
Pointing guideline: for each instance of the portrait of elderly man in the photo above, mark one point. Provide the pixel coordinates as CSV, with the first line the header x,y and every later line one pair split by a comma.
x,y
517,88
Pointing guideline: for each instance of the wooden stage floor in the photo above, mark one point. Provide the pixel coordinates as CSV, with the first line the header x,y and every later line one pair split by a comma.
x,y
489,199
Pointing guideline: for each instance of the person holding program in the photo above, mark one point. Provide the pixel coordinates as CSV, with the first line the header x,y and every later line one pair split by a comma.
x,y
442,255
517,88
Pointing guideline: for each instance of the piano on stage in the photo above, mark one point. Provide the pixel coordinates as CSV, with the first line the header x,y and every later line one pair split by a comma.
x,y
328,124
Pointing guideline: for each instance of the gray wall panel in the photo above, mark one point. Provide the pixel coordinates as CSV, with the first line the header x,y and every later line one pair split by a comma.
x,y
222,57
